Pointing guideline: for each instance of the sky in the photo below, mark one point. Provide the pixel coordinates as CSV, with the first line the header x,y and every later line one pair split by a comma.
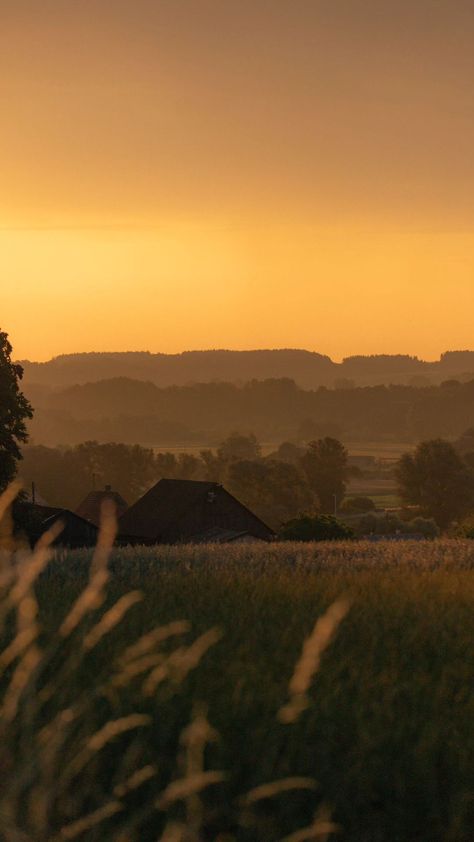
x,y
185,174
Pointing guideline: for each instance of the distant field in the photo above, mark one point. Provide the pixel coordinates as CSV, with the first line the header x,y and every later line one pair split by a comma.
x,y
382,740
382,491
381,450
195,449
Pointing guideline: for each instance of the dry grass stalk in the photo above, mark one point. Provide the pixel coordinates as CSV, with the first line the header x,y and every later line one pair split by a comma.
x,y
173,832
275,788
111,618
183,788
93,595
24,643
136,668
153,638
181,661
8,497
321,828
138,778
77,828
110,731
33,565
27,631
107,535
19,681
310,659
50,732
114,728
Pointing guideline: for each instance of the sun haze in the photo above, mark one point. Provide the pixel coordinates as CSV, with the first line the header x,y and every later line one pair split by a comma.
x,y
209,173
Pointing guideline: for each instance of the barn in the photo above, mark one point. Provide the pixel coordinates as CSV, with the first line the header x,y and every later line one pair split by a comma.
x,y
36,520
90,508
190,511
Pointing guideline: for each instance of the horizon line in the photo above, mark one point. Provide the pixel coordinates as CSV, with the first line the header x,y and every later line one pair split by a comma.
x,y
223,350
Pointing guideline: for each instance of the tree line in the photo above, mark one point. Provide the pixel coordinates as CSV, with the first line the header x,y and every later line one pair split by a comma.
x,y
436,480
132,411
293,482
275,488
308,368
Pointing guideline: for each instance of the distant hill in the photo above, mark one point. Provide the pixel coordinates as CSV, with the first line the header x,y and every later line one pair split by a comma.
x,y
307,368
126,410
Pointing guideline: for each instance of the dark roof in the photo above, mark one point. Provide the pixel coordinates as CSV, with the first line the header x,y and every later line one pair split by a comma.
x,y
91,506
175,511
76,531
217,535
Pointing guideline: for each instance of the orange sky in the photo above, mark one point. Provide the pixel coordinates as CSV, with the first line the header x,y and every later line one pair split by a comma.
x,y
181,174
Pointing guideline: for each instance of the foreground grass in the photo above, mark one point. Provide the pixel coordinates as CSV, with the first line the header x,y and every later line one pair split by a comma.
x,y
387,735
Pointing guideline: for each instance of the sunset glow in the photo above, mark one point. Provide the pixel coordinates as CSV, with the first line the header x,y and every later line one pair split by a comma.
x,y
182,175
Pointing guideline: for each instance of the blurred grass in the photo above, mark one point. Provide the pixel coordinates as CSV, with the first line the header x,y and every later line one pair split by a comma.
x,y
389,733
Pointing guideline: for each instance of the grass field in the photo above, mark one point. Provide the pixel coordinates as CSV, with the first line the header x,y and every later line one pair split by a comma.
x,y
374,733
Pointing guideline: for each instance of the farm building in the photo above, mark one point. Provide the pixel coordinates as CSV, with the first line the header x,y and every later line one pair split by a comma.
x,y
76,532
91,506
189,511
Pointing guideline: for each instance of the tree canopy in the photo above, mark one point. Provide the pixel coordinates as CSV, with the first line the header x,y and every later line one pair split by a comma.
x,y
315,528
326,466
438,480
15,409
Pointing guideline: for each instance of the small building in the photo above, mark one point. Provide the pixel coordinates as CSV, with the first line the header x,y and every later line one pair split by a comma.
x,y
178,511
91,507
36,520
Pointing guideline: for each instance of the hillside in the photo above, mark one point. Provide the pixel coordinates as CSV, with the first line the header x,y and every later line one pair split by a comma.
x,y
307,368
123,409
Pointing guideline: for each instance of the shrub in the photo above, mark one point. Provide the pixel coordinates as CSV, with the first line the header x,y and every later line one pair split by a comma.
x,y
315,528
427,526
354,505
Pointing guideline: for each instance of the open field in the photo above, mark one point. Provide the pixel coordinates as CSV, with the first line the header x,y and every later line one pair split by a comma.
x,y
382,491
379,734
387,450
379,449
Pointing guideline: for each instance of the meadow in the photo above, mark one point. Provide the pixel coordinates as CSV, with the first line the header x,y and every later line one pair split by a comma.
x,y
251,693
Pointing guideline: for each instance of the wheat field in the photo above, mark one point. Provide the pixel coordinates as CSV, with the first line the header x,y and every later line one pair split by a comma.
x,y
238,694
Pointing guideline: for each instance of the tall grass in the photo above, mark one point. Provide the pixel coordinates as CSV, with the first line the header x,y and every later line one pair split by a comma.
x,y
267,692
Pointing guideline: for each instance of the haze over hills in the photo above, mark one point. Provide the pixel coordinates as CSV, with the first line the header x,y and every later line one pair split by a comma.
x,y
136,411
308,369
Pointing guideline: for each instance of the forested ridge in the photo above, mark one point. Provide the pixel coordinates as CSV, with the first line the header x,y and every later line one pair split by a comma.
x,y
128,410
308,368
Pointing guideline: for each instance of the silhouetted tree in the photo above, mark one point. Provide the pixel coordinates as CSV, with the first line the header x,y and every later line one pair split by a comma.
x,y
326,466
238,447
15,409
317,528
310,430
276,491
214,467
436,479
288,452
166,465
188,466
465,442
64,476
357,505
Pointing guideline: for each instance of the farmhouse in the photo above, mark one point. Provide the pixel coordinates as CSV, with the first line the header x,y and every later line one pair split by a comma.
x,y
91,506
75,531
189,511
